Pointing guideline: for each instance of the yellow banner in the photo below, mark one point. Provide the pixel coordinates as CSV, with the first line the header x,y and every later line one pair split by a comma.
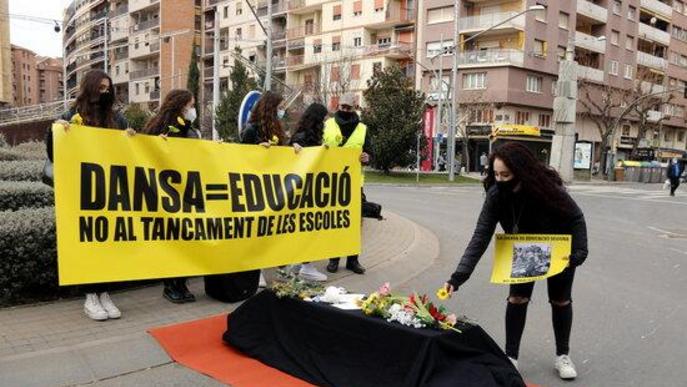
x,y
521,258
515,130
141,207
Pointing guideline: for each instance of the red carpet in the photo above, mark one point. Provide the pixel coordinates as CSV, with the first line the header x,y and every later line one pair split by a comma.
x,y
198,345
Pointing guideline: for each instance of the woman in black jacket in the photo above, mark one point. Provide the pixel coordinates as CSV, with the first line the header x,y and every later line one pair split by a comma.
x,y
525,196
175,119
94,107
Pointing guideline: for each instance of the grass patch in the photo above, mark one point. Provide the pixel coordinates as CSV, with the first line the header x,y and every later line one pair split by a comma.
x,y
409,178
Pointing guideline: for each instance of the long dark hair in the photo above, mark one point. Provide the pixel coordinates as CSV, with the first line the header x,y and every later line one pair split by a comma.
x,y
171,109
264,118
86,103
537,180
312,123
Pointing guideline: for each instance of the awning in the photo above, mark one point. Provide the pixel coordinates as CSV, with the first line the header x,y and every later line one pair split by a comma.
x,y
515,130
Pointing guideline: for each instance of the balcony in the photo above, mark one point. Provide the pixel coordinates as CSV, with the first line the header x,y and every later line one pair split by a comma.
x,y
591,74
121,10
654,116
303,6
591,43
650,87
592,11
652,61
119,55
155,95
482,22
145,25
208,72
276,8
303,31
505,57
145,49
278,34
650,33
396,50
657,7
137,5
145,73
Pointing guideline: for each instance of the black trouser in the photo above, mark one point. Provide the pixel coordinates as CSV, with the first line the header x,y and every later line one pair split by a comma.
x,y
674,183
97,288
174,282
352,258
560,292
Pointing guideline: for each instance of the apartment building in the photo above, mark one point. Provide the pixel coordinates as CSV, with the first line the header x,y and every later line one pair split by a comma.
x,y
24,77
6,97
49,78
509,72
149,45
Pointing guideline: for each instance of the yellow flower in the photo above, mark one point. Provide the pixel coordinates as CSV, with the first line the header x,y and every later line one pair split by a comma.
x,y
443,294
274,140
77,119
181,121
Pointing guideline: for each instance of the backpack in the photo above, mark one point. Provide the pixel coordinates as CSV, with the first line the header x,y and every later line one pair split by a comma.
x,y
232,287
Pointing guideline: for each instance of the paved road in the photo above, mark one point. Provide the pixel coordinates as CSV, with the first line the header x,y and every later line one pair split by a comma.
x,y
629,296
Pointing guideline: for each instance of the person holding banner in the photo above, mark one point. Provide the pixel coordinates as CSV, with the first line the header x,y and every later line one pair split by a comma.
x,y
94,107
309,133
346,130
525,196
174,119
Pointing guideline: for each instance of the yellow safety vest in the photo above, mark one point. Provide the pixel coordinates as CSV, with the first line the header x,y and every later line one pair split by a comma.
x,y
333,138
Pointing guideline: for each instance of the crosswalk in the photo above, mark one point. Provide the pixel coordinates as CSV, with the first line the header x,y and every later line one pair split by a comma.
x,y
649,193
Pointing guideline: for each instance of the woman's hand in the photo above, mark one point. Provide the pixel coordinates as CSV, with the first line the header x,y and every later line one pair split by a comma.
x,y
130,132
65,124
297,148
326,146
163,136
364,158
449,288
265,144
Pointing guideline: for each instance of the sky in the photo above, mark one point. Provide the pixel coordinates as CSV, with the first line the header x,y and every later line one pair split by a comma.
x,y
37,37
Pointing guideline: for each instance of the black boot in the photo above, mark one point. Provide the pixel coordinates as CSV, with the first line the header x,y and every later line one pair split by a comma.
x,y
353,265
333,265
171,292
187,295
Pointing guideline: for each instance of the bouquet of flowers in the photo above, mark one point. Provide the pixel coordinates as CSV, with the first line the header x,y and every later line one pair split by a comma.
x,y
415,310
288,284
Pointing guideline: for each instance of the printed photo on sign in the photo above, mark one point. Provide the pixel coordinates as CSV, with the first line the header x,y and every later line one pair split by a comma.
x,y
530,259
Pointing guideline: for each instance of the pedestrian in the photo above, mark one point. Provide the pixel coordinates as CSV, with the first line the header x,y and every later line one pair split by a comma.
x,y
483,163
266,128
175,119
674,172
309,134
346,130
94,106
525,196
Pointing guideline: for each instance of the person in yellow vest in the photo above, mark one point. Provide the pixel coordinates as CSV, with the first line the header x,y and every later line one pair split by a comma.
x,y
346,130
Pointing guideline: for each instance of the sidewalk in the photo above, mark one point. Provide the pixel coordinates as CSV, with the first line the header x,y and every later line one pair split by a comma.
x,y
56,344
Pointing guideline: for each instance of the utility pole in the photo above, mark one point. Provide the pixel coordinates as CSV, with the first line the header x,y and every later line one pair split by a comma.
x,y
106,52
564,115
440,105
268,63
215,76
454,105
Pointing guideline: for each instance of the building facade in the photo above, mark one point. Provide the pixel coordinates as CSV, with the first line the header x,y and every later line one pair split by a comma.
x,y
49,77
6,81
508,73
148,43
25,77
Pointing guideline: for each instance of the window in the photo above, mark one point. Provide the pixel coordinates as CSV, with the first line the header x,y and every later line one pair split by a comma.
x,y
379,5
336,74
357,42
614,68
116,71
225,12
539,48
534,84
355,72
626,130
681,136
138,89
482,116
251,31
317,46
475,81
545,120
440,15
630,42
617,5
563,20
384,42
522,118
631,13
239,8
667,135
540,15
336,43
358,8
615,37
561,52
434,48
239,32
337,12
628,71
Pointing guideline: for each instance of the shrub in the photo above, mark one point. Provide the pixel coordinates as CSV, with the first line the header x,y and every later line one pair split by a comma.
x,y
36,149
21,170
16,195
11,154
29,255
3,141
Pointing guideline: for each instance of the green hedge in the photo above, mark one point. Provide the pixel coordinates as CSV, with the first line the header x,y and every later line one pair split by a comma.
x,y
35,149
11,154
28,263
15,195
21,170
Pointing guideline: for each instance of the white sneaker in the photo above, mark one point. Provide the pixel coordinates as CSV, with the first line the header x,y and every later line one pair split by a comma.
x,y
109,306
515,363
262,283
565,367
292,269
93,309
310,273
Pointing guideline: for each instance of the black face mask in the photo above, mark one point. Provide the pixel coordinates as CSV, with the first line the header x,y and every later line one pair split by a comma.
x,y
105,100
507,186
348,116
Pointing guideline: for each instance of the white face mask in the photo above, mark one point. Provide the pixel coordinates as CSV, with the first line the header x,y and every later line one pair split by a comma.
x,y
190,114
281,113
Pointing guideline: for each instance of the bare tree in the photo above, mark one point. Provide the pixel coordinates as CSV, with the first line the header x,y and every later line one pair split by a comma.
x,y
646,84
473,108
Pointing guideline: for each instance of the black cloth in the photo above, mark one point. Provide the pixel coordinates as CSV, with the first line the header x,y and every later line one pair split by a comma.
x,y
516,316
559,286
250,135
347,123
120,123
674,184
303,139
330,347
528,216
561,317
